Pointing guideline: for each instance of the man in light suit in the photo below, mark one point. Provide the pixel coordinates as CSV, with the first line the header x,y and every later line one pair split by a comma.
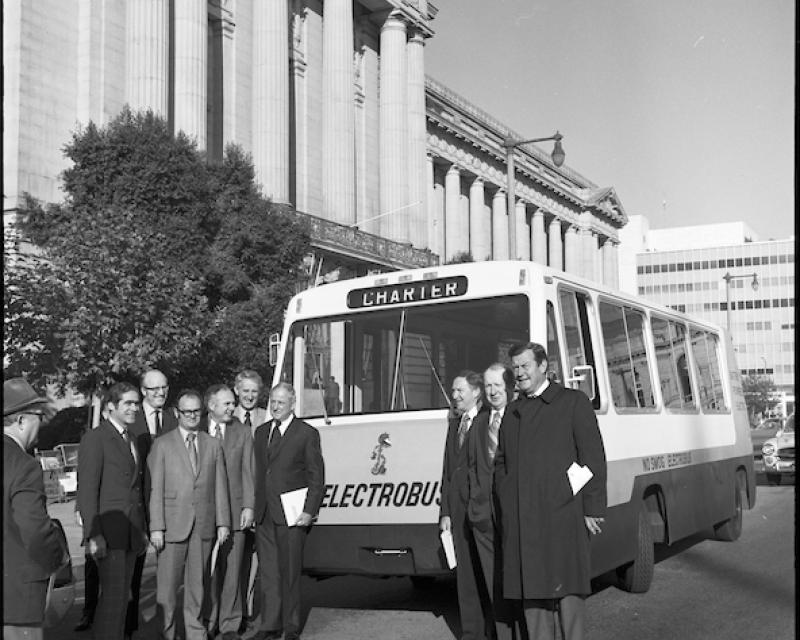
x,y
188,507
111,505
288,457
32,548
248,386
237,446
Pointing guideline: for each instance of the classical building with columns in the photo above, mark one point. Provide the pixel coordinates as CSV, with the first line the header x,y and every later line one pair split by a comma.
x,y
390,168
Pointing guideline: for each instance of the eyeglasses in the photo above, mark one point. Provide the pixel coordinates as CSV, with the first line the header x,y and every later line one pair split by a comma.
x,y
164,388
34,413
190,413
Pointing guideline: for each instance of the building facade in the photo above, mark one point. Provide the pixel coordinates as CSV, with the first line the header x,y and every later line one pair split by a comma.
x,y
685,267
331,99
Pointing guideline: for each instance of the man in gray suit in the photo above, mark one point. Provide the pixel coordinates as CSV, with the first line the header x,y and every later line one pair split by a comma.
x,y
188,506
237,445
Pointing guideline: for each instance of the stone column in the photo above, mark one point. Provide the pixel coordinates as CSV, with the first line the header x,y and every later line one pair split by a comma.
x,y
417,138
597,269
191,61
538,237
555,249
607,259
480,231
438,204
271,98
614,250
523,232
499,226
394,130
590,255
572,252
338,120
147,50
452,204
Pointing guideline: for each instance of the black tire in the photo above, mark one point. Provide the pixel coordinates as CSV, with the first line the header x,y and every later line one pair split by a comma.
x,y
773,479
423,583
637,576
731,529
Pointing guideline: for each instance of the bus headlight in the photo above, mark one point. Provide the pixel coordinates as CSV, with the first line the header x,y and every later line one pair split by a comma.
x,y
768,449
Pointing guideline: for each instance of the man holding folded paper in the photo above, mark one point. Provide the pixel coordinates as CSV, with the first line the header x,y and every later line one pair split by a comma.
x,y
290,482
550,482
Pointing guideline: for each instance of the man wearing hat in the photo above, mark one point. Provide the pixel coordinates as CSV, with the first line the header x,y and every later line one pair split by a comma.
x,y
32,546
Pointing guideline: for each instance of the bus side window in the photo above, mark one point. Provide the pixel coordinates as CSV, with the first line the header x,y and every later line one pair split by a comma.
x,y
669,339
705,347
553,350
628,367
575,319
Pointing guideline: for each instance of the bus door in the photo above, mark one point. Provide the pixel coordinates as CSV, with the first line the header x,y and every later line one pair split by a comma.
x,y
577,328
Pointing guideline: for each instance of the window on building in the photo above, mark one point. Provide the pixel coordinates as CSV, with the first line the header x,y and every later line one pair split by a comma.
x,y
705,264
739,262
756,260
748,261
628,367
696,264
656,268
773,259
648,268
756,304
680,266
672,267
681,287
669,339
640,269
641,291
748,304
705,349
723,306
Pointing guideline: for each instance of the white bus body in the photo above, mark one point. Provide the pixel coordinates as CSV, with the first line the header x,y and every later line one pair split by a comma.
x,y
666,390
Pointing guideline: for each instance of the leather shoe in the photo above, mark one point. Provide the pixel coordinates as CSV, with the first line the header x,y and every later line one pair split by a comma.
x,y
267,635
84,623
231,635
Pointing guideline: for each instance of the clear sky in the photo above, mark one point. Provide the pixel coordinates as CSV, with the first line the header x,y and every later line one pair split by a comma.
x,y
685,107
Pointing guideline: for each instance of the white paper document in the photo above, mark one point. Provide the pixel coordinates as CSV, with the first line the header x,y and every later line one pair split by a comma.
x,y
449,548
578,476
214,554
293,503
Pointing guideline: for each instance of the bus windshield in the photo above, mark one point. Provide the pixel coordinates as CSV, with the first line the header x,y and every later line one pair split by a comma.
x,y
398,359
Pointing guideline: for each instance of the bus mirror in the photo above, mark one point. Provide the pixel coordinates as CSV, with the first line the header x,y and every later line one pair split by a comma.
x,y
274,345
583,379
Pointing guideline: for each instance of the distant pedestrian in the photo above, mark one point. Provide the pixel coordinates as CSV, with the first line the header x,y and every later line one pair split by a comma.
x,y
32,546
332,401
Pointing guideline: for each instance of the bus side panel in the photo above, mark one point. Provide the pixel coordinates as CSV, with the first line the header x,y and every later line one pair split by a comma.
x,y
377,550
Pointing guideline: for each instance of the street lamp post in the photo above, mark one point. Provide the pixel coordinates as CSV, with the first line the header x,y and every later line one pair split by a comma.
x,y
727,278
510,144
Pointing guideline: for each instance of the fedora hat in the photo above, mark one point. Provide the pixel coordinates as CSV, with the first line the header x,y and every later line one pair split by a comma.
x,y
19,395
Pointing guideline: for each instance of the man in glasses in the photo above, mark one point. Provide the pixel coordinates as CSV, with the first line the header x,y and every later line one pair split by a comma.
x,y
32,548
189,509
111,504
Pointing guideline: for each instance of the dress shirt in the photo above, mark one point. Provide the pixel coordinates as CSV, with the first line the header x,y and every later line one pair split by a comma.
x,y
212,428
123,433
501,411
540,390
150,418
282,426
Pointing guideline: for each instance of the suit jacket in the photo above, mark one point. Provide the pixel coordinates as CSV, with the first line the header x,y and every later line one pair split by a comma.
x,y
237,447
480,473
455,484
293,463
181,502
258,416
144,442
110,496
32,548
545,541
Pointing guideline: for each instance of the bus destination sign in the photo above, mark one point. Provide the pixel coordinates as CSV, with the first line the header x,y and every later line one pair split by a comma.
x,y
407,292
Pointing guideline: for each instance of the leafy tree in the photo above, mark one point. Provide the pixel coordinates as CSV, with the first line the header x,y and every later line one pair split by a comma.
x,y
460,257
155,258
759,394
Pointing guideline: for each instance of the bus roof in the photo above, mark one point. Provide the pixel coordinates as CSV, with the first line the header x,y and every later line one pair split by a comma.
x,y
486,279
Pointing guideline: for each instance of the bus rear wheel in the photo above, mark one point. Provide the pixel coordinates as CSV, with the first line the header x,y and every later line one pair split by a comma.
x,y
731,529
637,576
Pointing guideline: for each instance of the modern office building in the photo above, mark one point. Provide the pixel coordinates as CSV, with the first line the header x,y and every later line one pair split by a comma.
x,y
724,273
389,167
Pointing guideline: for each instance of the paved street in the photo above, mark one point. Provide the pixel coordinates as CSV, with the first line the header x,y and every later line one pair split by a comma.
x,y
702,589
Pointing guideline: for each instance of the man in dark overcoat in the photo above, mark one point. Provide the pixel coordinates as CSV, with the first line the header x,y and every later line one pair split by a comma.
x,y
545,528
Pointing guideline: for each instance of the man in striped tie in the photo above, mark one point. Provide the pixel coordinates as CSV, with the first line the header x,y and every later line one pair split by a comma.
x,y
498,388
466,393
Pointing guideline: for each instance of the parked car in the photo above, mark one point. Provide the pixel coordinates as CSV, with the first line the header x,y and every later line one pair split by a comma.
x,y
778,453
759,434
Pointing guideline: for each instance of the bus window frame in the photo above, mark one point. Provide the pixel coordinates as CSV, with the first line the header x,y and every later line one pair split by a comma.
x,y
690,368
600,378
727,392
647,335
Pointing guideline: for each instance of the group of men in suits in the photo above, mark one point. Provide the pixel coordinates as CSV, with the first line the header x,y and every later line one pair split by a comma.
x,y
192,482
520,532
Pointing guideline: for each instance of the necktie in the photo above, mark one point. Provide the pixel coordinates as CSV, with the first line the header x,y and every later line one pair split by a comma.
x,y
463,429
275,436
494,432
157,415
218,432
192,451
247,421
131,447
